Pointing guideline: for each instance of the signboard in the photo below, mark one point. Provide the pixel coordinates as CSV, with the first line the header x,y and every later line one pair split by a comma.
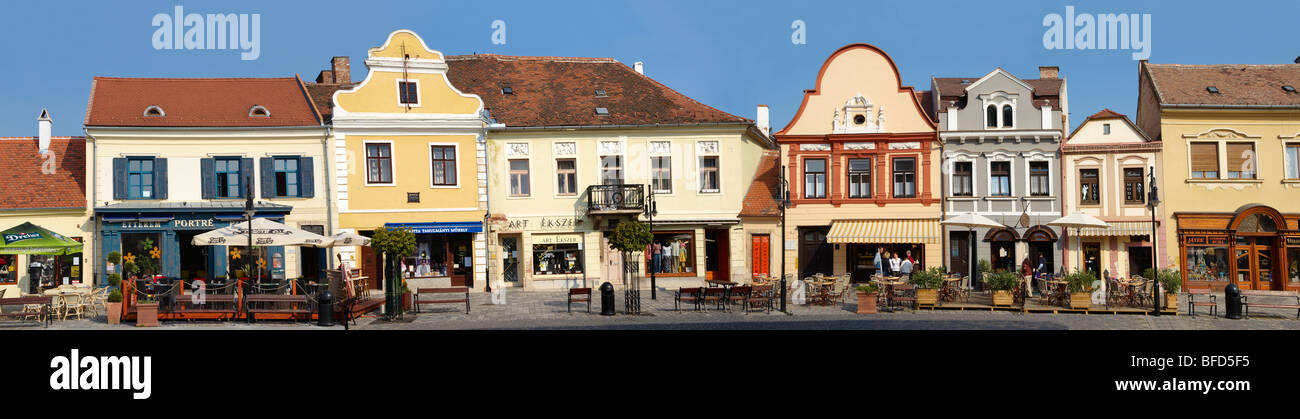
x,y
11,238
544,223
1206,240
1293,241
557,238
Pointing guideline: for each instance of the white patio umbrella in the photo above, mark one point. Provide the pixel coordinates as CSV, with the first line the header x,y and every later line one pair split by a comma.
x,y
972,221
265,233
1079,221
350,239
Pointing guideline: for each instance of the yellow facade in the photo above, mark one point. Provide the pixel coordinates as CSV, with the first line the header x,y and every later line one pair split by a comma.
x,y
70,223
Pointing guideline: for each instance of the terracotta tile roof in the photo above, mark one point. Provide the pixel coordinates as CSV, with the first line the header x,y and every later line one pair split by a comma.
x,y
26,186
761,201
121,102
951,91
561,91
1105,114
926,99
1238,84
322,95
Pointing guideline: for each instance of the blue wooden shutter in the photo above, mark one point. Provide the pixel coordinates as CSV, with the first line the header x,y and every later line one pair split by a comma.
x,y
246,175
208,177
119,178
306,177
268,177
160,178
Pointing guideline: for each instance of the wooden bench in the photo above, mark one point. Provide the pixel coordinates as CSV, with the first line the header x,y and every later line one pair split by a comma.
x,y
44,301
1192,304
578,295
217,305
292,305
433,293
1246,294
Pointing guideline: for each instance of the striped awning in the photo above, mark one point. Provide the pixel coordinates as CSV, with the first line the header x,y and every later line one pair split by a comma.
x,y
885,231
1120,228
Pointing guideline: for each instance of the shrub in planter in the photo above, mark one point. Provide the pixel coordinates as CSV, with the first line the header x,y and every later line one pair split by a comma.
x,y
1002,284
927,284
146,312
1081,285
1172,282
867,298
113,306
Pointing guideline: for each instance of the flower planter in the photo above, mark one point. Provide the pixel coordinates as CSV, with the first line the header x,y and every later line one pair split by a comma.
x,y
406,301
146,314
1080,300
1171,301
927,297
866,303
1003,298
114,312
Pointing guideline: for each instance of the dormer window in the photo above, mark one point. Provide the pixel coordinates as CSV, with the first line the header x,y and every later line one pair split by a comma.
x,y
601,93
602,112
507,90
1105,129
258,111
1289,88
154,110
999,110
991,117
1212,90
1008,116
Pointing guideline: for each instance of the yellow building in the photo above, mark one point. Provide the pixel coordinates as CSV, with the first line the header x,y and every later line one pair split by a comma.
x,y
408,151
862,159
577,145
1230,170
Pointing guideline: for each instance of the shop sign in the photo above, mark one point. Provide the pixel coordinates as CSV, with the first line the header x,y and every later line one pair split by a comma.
x,y
1206,240
11,238
557,239
1293,241
545,223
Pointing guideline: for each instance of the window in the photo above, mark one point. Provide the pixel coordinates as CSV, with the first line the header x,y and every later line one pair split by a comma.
x,y
259,111
408,93
672,253
519,178
905,177
379,163
1008,116
1204,160
1293,161
1088,187
139,178
1133,189
991,117
286,176
814,178
962,179
1241,160
226,172
611,170
444,165
566,177
1039,183
709,174
1105,129
661,174
155,111
1000,178
557,259
859,178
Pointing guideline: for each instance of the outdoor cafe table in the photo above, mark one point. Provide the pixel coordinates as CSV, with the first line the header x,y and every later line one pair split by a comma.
x,y
821,291
1060,293
950,288
887,288
720,283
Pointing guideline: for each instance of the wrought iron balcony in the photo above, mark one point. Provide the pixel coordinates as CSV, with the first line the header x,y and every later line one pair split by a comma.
x,y
615,199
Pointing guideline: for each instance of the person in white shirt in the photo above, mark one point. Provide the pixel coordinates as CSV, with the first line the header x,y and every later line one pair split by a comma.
x,y
896,264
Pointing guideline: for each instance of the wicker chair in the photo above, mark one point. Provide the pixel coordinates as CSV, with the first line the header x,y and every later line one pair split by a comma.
x,y
761,296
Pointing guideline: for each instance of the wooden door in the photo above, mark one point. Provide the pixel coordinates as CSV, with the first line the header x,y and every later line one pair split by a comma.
x,y
815,254
370,267
1255,263
760,250
460,249
958,252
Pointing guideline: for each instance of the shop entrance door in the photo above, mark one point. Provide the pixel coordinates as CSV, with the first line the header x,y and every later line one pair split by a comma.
x,y
370,267
1092,257
462,261
717,254
861,262
1255,263
815,254
958,253
613,267
510,259
760,246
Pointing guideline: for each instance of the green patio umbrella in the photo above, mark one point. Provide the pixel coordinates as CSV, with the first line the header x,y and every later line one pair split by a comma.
x,y
31,239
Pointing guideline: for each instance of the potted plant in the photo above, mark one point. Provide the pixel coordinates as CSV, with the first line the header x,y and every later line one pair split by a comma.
x,y
113,307
1080,284
1002,284
927,284
1172,282
982,269
867,298
146,311
406,297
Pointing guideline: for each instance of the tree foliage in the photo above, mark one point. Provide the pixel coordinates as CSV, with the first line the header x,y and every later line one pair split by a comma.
x,y
631,236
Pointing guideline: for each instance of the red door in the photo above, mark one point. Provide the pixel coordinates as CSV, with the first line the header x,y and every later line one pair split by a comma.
x,y
762,255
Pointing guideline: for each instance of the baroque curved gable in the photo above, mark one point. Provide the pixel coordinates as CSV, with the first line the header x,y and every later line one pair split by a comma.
x,y
858,89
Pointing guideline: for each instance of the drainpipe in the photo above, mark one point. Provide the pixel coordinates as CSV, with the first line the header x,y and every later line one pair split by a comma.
x,y
327,163
90,204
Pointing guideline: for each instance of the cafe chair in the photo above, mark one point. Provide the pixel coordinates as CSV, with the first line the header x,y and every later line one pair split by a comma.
x,y
739,294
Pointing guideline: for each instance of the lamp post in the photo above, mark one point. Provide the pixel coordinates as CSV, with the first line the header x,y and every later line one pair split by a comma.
x,y
650,210
783,196
1153,200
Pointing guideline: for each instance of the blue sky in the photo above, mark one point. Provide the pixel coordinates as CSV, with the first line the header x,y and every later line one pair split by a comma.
x,y
729,54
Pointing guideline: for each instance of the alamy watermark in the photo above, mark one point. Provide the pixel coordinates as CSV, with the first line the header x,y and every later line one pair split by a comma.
x,y
75,372
229,31
1102,31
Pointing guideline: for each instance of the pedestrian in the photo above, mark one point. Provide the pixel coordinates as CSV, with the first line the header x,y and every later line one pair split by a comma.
x,y
876,262
1042,265
905,268
895,264
1027,273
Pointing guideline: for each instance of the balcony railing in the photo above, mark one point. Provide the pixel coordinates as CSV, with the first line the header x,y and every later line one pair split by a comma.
x,y
618,198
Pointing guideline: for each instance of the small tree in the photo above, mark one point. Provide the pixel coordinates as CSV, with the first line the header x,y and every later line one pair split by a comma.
x,y
394,244
115,279
628,237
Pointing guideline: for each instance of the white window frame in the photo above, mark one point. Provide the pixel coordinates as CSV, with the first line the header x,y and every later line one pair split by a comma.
x,y
999,99
699,167
555,172
1011,176
429,155
419,94
1287,164
952,171
1051,174
365,162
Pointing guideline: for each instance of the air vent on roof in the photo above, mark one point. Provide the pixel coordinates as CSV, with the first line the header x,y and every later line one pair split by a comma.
x,y
602,111
1288,88
259,111
1212,89
965,81
507,90
600,93
154,110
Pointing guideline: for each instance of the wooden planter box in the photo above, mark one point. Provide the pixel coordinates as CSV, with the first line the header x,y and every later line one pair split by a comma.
x,y
406,301
1080,300
114,312
146,315
866,303
1003,298
1171,301
927,297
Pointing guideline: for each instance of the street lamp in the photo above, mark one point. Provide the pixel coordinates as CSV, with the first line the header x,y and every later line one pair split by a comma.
x,y
1153,200
783,195
651,209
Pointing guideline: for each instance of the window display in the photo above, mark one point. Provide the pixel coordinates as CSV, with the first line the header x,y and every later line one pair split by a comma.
x,y
557,259
430,258
8,269
1207,263
672,253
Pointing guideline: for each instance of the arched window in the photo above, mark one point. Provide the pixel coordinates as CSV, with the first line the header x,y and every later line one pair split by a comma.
x,y
259,111
1257,223
991,117
1007,115
154,110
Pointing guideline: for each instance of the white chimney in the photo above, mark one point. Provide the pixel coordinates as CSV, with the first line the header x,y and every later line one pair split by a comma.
x,y
762,120
43,125
640,67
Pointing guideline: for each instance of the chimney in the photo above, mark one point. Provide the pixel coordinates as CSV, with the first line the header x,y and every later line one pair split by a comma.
x,y
325,77
640,67
342,70
762,120
1049,72
43,125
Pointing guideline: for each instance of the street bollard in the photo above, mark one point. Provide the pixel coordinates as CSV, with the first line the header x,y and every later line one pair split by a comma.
x,y
325,309
606,299
1232,297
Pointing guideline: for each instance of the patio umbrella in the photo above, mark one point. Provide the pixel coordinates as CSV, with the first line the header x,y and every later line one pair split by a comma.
x,y
972,221
265,233
1079,221
350,239
31,239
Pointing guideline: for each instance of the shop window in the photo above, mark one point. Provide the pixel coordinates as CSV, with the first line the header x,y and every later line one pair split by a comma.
x,y
557,259
430,258
1204,160
962,179
1133,189
905,177
1000,178
1257,223
1039,183
1208,263
1293,264
1089,187
675,253
814,178
9,269
661,174
859,178
444,165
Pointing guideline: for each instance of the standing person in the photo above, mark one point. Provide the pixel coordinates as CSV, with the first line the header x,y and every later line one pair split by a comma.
x,y
1027,273
895,264
1042,265
905,267
887,271
876,262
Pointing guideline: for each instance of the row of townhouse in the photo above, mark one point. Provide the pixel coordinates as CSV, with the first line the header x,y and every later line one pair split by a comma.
x,y
515,169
